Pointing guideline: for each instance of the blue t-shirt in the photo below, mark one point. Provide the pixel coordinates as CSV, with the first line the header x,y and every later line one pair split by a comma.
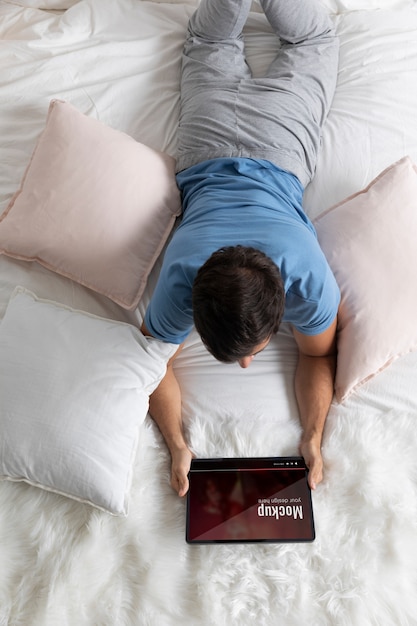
x,y
234,201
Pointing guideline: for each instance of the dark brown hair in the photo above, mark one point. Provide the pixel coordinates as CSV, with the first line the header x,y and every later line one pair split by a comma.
x,y
238,301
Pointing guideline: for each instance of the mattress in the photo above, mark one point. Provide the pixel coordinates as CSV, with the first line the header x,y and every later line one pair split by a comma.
x,y
69,563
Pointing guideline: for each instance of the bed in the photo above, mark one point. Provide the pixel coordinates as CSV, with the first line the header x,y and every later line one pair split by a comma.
x,y
90,531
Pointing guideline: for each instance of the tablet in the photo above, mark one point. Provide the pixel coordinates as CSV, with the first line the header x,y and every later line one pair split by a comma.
x,y
239,500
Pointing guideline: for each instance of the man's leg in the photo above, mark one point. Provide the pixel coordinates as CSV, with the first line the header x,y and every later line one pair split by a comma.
x,y
213,66
298,20
284,112
219,20
225,112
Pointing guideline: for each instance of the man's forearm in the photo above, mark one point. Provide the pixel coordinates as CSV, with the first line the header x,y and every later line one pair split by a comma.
x,y
314,382
165,409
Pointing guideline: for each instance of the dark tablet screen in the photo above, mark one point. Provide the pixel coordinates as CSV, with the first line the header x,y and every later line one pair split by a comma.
x,y
247,500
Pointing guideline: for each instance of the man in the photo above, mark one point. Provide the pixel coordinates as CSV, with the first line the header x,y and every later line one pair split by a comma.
x,y
245,255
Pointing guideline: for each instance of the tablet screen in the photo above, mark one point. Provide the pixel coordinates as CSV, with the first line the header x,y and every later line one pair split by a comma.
x,y
247,500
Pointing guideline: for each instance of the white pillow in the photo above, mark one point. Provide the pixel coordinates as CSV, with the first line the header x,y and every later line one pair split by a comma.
x,y
74,392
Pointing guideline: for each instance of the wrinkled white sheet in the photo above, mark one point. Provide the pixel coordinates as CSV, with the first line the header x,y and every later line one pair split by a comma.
x,y
65,563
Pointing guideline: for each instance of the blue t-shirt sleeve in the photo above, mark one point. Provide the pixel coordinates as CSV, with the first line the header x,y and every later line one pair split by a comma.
x,y
169,316
314,316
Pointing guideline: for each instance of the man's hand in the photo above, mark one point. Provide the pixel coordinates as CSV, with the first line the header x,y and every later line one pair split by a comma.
x,y
311,452
181,461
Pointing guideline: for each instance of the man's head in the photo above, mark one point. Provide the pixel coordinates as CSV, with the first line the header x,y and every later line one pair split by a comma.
x,y
238,302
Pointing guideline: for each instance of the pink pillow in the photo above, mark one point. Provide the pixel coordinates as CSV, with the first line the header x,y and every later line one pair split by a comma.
x,y
94,205
369,240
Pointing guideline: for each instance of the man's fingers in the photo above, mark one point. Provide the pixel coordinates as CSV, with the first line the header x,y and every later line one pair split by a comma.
x,y
182,491
180,486
315,475
314,461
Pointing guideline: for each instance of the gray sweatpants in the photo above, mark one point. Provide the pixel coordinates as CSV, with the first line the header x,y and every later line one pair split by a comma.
x,y
225,112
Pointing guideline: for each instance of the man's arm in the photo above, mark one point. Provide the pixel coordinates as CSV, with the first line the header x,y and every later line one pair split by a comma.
x,y
165,410
314,383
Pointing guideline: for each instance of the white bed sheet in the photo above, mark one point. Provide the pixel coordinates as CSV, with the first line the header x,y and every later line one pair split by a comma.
x,y
68,564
